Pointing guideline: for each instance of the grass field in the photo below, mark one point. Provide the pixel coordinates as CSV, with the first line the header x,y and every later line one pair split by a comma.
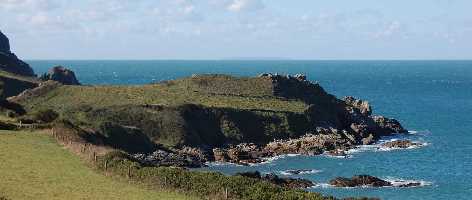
x,y
220,92
34,166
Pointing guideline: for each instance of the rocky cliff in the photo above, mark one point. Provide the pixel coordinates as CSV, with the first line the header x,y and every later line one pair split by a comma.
x,y
9,61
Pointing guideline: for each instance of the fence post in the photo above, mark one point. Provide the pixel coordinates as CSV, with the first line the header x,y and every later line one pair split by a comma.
x,y
106,165
129,171
94,156
226,193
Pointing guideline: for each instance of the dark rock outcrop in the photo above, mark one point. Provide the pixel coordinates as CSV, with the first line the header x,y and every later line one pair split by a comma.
x,y
9,62
283,182
61,75
402,144
358,181
366,180
4,43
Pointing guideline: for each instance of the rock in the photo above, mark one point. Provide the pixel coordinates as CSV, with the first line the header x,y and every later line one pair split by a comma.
x,y
388,126
368,140
310,144
363,106
414,184
358,181
61,75
300,77
244,154
9,62
4,43
274,179
169,158
403,144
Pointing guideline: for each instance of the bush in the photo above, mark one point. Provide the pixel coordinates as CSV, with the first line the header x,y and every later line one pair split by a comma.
x,y
45,116
204,184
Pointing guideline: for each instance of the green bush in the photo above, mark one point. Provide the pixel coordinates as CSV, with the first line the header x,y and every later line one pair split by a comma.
x,y
203,184
45,116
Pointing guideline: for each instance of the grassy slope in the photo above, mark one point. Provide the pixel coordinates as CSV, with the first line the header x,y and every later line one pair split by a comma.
x,y
33,166
12,84
221,92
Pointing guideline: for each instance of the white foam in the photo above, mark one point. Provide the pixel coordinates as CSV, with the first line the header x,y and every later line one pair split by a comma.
x,y
274,158
312,171
397,182
322,185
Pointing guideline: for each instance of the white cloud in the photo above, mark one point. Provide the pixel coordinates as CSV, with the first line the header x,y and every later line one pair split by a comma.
x,y
245,5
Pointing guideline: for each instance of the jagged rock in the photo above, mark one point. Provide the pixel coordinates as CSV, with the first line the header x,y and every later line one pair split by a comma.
x,y
243,153
363,106
310,144
61,75
9,62
388,126
358,181
274,179
403,144
366,180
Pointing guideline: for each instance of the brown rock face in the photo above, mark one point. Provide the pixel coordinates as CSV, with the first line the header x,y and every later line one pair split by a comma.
x,y
363,106
61,75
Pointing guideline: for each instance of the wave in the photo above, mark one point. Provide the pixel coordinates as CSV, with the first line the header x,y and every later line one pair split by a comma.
x,y
396,183
299,172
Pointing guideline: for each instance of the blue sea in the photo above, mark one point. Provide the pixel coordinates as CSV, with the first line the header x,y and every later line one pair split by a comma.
x,y
433,99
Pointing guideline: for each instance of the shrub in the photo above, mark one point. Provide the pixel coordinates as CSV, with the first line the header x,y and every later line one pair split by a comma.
x,y
45,116
203,184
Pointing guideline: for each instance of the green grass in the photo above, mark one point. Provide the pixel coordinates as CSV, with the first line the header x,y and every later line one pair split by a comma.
x,y
34,166
220,92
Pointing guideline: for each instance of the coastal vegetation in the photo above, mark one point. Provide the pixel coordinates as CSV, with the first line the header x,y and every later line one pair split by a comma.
x,y
34,166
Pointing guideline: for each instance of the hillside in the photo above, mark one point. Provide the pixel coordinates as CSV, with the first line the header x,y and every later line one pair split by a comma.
x,y
34,166
211,110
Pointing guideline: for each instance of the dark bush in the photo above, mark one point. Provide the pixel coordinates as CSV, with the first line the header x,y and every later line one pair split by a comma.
x,y
44,116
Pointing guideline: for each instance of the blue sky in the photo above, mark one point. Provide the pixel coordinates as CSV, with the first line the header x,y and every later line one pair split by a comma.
x,y
215,29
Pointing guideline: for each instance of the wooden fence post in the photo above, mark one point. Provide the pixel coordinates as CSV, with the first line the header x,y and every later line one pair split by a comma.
x,y
94,156
106,165
226,193
129,171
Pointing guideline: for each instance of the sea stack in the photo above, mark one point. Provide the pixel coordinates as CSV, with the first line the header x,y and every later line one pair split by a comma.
x,y
61,75
8,60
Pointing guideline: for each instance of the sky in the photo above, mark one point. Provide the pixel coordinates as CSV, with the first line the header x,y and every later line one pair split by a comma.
x,y
225,29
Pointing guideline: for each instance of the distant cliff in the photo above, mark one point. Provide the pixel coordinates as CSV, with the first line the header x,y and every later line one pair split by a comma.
x,y
9,61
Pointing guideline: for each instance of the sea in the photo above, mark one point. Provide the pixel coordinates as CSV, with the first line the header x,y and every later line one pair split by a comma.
x,y
432,99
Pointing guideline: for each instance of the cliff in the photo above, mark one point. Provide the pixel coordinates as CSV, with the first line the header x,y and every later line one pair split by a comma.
x,y
9,62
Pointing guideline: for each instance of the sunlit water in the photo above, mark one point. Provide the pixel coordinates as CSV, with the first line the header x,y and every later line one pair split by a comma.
x,y
431,98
